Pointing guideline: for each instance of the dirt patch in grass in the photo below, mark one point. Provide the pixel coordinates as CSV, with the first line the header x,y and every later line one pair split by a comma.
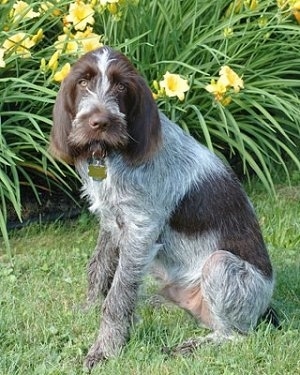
x,y
49,206
289,192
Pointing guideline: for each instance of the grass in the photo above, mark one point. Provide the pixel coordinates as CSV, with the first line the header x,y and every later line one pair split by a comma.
x,y
42,331
258,132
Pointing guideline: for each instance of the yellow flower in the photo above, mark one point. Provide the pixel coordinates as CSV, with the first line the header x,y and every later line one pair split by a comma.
x,y
226,101
38,36
2,62
22,10
174,85
292,5
296,10
80,14
234,7
88,40
251,4
296,5
66,43
218,89
160,91
112,8
61,75
43,67
155,85
53,62
229,78
227,32
106,2
47,5
262,21
20,44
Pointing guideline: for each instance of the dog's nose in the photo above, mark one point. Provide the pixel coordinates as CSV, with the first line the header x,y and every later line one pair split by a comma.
x,y
98,121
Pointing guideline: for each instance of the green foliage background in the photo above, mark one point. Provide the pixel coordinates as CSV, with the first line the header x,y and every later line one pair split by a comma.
x,y
258,132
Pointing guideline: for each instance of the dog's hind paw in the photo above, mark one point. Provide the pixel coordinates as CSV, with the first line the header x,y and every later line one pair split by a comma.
x,y
189,346
185,348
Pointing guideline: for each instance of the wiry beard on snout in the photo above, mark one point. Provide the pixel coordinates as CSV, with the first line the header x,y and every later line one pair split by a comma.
x,y
84,141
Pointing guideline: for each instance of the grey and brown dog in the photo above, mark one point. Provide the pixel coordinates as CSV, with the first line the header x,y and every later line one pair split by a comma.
x,y
167,205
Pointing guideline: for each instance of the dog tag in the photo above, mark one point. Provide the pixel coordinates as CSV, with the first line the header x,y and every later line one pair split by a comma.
x,y
97,171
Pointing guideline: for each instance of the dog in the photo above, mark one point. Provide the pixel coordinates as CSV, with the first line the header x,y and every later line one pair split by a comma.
x,y
166,205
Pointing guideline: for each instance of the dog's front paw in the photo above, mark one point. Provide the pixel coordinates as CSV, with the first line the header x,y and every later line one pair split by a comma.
x,y
94,356
103,348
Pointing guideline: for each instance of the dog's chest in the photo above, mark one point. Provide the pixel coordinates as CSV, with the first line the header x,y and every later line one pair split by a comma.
x,y
107,202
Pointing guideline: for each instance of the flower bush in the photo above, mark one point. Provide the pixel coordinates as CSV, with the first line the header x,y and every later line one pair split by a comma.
x,y
226,71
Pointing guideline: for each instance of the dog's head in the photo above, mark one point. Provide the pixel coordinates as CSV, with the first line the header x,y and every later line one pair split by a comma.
x,y
103,105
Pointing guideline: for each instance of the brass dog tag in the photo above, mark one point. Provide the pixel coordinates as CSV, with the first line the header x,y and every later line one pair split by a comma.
x,y
97,171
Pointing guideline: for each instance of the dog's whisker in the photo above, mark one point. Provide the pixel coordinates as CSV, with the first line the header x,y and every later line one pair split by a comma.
x,y
131,137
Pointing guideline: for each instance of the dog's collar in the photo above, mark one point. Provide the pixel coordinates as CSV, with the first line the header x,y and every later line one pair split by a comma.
x,y
97,167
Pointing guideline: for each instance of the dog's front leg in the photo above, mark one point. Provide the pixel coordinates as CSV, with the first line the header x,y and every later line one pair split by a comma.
x,y
102,267
118,307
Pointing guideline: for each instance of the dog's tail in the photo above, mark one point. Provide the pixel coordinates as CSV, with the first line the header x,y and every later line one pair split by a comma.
x,y
271,316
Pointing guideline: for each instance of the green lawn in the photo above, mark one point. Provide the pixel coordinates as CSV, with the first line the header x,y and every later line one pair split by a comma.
x,y
42,331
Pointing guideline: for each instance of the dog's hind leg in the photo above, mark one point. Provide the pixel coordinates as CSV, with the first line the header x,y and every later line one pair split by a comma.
x,y
101,268
231,296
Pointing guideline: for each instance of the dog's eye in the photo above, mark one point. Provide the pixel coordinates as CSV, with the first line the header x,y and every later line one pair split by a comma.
x,y
121,87
83,82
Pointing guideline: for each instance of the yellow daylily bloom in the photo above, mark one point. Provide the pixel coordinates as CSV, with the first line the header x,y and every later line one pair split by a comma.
x,y
234,7
227,32
226,101
22,10
91,42
71,47
296,10
251,4
160,91
229,78
61,75
53,62
88,39
61,42
43,67
2,62
38,36
174,85
20,44
47,5
292,5
155,85
217,88
80,15
106,2
112,8
66,43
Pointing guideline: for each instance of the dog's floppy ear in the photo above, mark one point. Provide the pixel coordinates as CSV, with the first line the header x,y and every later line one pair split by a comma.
x,y
62,123
143,121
